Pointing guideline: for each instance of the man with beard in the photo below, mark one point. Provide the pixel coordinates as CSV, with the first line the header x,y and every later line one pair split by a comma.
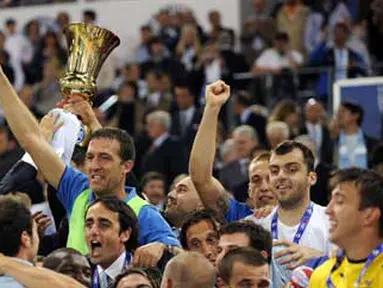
x,y
183,201
298,226
202,157
355,212
111,232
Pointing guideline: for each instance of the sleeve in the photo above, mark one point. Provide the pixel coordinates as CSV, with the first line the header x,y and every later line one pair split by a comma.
x,y
263,60
237,211
72,183
154,228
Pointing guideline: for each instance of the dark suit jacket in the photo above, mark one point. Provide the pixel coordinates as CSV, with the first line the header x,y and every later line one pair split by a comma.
x,y
169,159
320,192
235,180
188,138
327,145
356,67
370,145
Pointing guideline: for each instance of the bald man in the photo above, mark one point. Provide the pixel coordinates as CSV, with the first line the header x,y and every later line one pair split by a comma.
x,y
189,270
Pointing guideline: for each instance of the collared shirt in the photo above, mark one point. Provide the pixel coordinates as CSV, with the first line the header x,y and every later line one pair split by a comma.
x,y
341,63
9,282
315,133
160,140
153,226
186,117
115,269
245,115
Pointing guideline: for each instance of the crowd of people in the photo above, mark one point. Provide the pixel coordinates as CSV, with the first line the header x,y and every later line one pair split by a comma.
x,y
189,179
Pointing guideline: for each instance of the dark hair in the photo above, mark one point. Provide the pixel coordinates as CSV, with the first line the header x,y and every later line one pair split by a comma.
x,y
282,36
152,274
354,109
377,155
289,145
91,14
127,149
343,26
79,155
15,218
195,218
54,259
244,98
260,238
245,255
10,21
150,176
146,27
370,186
131,84
126,218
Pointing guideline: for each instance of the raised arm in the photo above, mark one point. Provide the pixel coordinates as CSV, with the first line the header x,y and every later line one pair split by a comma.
x,y
26,130
34,277
202,155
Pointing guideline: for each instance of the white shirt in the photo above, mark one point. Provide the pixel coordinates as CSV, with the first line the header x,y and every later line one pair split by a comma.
x,y
315,236
186,117
246,114
158,141
272,59
113,270
341,63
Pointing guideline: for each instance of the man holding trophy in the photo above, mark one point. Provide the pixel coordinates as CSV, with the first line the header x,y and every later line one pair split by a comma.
x,y
110,153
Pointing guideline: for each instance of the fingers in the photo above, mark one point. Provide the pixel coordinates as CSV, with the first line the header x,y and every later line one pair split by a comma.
x,y
281,242
143,259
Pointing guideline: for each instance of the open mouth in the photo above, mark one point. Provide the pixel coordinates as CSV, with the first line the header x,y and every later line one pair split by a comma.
x,y
95,248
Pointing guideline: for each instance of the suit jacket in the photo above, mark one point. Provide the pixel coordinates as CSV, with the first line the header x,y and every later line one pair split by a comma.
x,y
187,138
234,178
327,145
320,192
370,145
168,158
258,120
356,67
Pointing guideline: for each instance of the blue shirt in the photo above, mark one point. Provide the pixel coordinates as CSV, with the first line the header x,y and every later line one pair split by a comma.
x,y
237,211
153,227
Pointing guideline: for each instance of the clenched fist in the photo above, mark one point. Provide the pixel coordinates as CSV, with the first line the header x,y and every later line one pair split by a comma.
x,y
217,94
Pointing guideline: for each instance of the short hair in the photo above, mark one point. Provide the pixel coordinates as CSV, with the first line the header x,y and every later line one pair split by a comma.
x,y
15,218
179,271
161,117
53,260
126,218
127,149
243,98
91,14
246,130
288,146
146,27
20,197
152,274
260,239
354,109
195,218
226,147
10,21
150,176
308,142
370,186
245,255
278,125
282,36
261,157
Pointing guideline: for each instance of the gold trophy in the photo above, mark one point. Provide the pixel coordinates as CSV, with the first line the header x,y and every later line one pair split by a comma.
x,y
88,48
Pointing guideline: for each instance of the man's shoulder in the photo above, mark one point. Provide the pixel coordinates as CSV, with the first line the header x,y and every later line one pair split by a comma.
x,y
321,273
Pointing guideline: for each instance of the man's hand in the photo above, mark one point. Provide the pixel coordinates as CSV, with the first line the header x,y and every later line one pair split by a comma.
x,y
78,105
42,222
217,94
49,125
149,255
263,212
294,255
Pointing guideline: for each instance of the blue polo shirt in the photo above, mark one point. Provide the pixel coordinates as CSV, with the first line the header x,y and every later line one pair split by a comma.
x,y
237,211
152,226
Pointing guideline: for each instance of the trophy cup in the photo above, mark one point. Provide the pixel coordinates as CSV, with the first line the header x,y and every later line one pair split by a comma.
x,y
88,48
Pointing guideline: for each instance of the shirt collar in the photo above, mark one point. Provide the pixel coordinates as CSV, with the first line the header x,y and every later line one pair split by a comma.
x,y
115,269
158,141
245,114
130,191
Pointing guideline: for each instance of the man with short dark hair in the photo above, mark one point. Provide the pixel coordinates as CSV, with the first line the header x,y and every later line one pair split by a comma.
x,y
111,231
354,146
70,262
245,266
355,212
153,188
199,233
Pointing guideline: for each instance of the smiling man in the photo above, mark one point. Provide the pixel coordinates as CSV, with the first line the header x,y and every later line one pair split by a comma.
x,y
111,231
355,212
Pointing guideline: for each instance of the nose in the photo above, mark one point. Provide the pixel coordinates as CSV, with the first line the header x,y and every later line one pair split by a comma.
x,y
329,209
207,250
265,185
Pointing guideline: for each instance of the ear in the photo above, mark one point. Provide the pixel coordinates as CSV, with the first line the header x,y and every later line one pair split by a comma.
x,y
265,254
26,240
125,235
128,166
312,178
371,216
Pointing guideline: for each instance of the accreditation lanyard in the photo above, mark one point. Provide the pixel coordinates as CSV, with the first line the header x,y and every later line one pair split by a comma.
x,y
96,276
302,225
370,259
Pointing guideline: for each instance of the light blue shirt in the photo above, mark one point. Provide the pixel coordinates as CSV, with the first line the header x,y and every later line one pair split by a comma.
x,y
9,282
